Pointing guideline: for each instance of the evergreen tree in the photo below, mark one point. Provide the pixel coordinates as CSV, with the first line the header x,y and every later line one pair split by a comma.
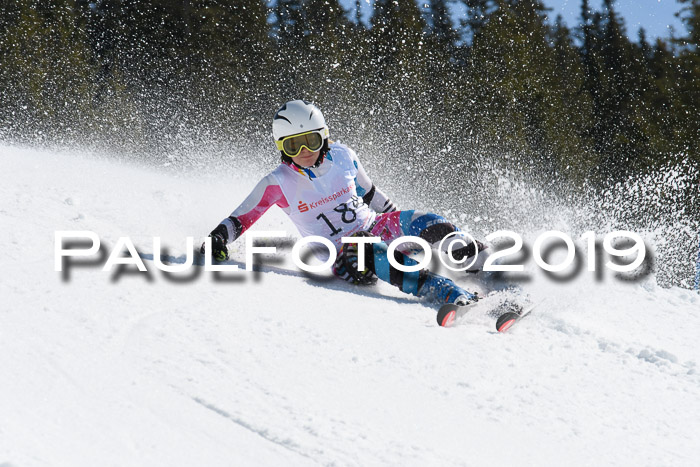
x,y
592,83
358,13
528,9
148,39
576,107
478,12
398,36
289,22
289,34
329,33
621,141
48,73
441,57
687,79
400,82
521,104
336,51
229,47
441,28
690,15
233,34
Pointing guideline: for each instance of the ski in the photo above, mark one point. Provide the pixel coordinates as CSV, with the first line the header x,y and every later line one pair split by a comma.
x,y
449,313
508,319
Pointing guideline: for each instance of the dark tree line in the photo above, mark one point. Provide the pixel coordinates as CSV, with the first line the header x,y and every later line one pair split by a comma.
x,y
584,103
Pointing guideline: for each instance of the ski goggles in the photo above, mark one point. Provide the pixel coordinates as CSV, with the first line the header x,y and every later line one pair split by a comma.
x,y
311,140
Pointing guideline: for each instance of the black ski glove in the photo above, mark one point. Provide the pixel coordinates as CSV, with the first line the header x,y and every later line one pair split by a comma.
x,y
219,237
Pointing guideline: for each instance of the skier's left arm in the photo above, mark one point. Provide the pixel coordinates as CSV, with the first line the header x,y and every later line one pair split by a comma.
x,y
371,195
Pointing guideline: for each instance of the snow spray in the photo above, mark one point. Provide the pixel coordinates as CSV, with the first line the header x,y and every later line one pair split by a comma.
x,y
697,271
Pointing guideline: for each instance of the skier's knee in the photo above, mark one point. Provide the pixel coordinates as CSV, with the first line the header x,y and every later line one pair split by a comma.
x,y
430,227
437,230
473,255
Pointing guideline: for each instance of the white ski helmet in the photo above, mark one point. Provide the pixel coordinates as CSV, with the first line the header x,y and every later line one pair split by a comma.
x,y
296,117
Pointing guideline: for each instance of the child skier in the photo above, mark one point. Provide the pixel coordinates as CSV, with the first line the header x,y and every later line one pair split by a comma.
x,y
325,191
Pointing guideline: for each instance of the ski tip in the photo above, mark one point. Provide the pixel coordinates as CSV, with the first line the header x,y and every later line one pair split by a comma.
x,y
506,321
447,320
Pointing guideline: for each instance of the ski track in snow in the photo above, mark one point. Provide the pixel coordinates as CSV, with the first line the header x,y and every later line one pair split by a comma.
x,y
275,368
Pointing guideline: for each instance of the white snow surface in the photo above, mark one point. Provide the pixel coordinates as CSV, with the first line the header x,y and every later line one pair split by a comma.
x,y
278,369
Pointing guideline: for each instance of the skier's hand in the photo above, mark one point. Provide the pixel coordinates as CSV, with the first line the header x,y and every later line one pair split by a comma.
x,y
219,250
345,266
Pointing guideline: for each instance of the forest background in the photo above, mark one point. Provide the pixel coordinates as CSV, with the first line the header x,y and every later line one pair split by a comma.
x,y
145,77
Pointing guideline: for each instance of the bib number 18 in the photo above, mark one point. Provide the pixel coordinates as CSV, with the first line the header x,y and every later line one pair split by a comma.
x,y
347,214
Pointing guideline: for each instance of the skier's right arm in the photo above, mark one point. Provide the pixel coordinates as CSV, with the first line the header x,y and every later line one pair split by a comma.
x,y
371,195
266,193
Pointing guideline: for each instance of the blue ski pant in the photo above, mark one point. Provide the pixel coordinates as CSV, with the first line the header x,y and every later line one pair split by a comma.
x,y
423,283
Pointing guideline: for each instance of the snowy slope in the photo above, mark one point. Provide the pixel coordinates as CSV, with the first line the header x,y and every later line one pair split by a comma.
x,y
279,369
